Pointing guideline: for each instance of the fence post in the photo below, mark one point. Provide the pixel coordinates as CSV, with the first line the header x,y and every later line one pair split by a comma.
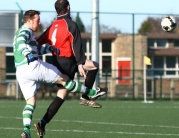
x,y
133,57
160,86
17,90
172,89
78,78
106,79
154,88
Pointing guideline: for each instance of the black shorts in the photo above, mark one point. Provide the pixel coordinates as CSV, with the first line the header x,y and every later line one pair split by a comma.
x,y
66,66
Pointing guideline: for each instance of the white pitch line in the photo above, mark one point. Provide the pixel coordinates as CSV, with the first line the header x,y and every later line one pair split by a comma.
x,y
106,132
105,106
99,123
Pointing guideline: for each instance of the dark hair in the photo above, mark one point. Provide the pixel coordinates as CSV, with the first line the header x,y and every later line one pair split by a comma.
x,y
61,6
29,15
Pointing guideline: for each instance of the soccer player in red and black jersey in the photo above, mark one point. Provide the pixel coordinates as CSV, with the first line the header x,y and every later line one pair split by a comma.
x,y
65,35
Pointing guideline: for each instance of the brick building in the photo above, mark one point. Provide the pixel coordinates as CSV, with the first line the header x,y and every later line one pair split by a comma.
x,y
116,61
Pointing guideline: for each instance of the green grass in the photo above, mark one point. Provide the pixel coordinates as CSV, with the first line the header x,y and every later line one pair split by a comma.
x,y
124,119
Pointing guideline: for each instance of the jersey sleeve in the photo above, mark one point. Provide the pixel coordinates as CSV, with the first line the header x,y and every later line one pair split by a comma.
x,y
77,45
22,39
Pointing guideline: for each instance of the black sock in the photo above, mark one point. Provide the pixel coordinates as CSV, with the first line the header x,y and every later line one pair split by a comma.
x,y
52,110
89,81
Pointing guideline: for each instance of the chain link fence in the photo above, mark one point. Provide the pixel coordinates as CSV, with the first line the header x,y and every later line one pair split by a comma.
x,y
120,87
157,87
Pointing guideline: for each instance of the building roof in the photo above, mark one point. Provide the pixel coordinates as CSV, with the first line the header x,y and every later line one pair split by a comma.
x,y
113,36
88,35
162,36
102,36
163,51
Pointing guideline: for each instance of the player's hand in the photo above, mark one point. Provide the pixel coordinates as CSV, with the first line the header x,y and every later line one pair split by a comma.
x,y
30,58
54,49
81,71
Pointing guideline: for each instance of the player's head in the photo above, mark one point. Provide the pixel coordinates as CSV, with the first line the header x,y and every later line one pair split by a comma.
x,y
62,6
31,18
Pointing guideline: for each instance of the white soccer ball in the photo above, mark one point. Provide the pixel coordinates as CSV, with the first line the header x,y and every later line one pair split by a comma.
x,y
168,23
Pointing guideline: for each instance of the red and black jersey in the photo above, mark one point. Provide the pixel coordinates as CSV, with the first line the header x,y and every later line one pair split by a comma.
x,y
64,34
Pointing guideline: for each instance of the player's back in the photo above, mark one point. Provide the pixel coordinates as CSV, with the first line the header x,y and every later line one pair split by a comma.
x,y
61,37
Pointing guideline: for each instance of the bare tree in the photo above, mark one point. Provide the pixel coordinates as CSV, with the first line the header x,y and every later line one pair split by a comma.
x,y
104,29
153,25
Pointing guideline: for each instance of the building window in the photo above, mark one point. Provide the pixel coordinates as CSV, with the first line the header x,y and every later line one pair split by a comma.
x,y
10,67
87,47
84,44
106,45
106,64
9,49
170,62
166,66
176,43
157,43
158,63
170,65
162,43
89,41
150,42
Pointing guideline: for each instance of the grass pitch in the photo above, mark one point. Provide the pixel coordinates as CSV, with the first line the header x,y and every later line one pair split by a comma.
x,y
116,119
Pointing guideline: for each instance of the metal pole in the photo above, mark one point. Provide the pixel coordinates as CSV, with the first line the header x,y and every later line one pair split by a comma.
x,y
144,81
20,24
20,15
133,58
95,35
17,90
160,86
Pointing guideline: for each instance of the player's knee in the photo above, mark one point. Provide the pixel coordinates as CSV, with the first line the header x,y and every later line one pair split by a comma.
x,y
62,79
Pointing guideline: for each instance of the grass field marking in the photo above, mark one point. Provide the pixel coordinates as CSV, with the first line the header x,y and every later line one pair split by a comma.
x,y
142,107
121,124
100,123
107,132
115,107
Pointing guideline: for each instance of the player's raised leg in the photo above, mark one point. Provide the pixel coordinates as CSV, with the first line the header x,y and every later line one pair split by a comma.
x,y
92,68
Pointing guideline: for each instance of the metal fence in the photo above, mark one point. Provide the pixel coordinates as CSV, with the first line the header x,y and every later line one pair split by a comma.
x,y
157,87
110,22
131,87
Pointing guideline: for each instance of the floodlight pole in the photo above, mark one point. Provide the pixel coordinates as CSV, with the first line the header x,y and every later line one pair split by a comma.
x,y
95,35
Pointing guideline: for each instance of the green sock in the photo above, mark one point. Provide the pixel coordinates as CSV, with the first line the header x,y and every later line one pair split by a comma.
x,y
27,117
90,92
78,87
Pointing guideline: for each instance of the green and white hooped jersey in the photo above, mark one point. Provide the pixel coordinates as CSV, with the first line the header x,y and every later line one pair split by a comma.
x,y
25,43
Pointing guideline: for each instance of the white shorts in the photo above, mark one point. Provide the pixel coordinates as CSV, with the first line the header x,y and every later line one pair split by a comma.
x,y
37,71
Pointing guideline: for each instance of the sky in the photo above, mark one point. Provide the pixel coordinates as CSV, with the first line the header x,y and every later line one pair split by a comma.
x,y
110,10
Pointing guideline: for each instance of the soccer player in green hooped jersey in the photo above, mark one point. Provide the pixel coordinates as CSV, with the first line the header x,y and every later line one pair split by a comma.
x,y
30,69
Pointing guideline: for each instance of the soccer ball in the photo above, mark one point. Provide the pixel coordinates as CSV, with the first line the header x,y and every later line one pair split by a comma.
x,y
168,23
